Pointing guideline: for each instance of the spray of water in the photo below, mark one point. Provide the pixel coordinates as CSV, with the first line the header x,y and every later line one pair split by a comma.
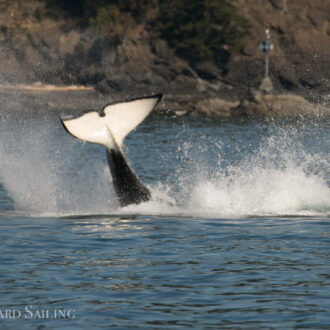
x,y
278,177
45,171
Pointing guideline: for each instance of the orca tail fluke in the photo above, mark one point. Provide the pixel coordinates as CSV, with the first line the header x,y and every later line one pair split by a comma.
x,y
110,129
111,126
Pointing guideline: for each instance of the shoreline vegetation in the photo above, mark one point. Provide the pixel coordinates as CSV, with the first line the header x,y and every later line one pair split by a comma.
x,y
202,55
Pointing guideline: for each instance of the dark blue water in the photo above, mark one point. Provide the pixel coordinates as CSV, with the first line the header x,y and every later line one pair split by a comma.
x,y
238,234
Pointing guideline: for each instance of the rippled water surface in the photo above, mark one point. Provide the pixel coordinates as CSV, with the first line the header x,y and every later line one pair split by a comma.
x,y
237,235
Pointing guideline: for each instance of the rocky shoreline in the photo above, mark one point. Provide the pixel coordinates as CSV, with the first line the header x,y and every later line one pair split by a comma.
x,y
260,105
59,53
68,100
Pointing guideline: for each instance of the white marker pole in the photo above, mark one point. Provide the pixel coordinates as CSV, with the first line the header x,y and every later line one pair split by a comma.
x,y
267,66
283,7
267,57
265,47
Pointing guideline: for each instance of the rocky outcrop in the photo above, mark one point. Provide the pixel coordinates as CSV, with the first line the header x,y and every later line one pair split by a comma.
x,y
215,107
279,106
186,104
58,51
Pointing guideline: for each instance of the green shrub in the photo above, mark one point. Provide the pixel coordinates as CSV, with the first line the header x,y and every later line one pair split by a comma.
x,y
112,21
71,7
113,17
202,29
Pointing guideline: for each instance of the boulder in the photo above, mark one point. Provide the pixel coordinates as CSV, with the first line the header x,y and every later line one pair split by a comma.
x,y
280,105
215,107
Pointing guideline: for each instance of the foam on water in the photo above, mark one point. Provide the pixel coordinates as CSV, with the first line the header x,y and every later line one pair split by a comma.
x,y
47,172
262,192
278,178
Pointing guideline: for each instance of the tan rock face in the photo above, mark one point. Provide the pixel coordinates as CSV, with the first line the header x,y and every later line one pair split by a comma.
x,y
215,107
282,105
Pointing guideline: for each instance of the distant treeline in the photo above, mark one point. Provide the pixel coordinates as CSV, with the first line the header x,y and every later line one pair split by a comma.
x,y
197,29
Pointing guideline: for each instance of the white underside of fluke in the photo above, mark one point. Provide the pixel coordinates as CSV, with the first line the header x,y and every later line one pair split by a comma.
x,y
111,129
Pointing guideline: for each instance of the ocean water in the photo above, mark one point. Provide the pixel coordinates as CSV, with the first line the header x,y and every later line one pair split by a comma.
x,y
237,236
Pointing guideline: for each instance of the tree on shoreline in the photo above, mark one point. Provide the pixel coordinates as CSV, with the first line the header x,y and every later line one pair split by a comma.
x,y
199,30
202,29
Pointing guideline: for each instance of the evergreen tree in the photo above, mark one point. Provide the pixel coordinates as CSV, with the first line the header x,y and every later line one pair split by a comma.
x,y
202,29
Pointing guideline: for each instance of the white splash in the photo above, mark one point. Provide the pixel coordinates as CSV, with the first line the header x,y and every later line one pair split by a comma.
x,y
44,174
262,192
279,178
47,172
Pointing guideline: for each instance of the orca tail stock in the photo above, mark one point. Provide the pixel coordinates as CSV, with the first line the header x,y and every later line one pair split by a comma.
x,y
109,128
